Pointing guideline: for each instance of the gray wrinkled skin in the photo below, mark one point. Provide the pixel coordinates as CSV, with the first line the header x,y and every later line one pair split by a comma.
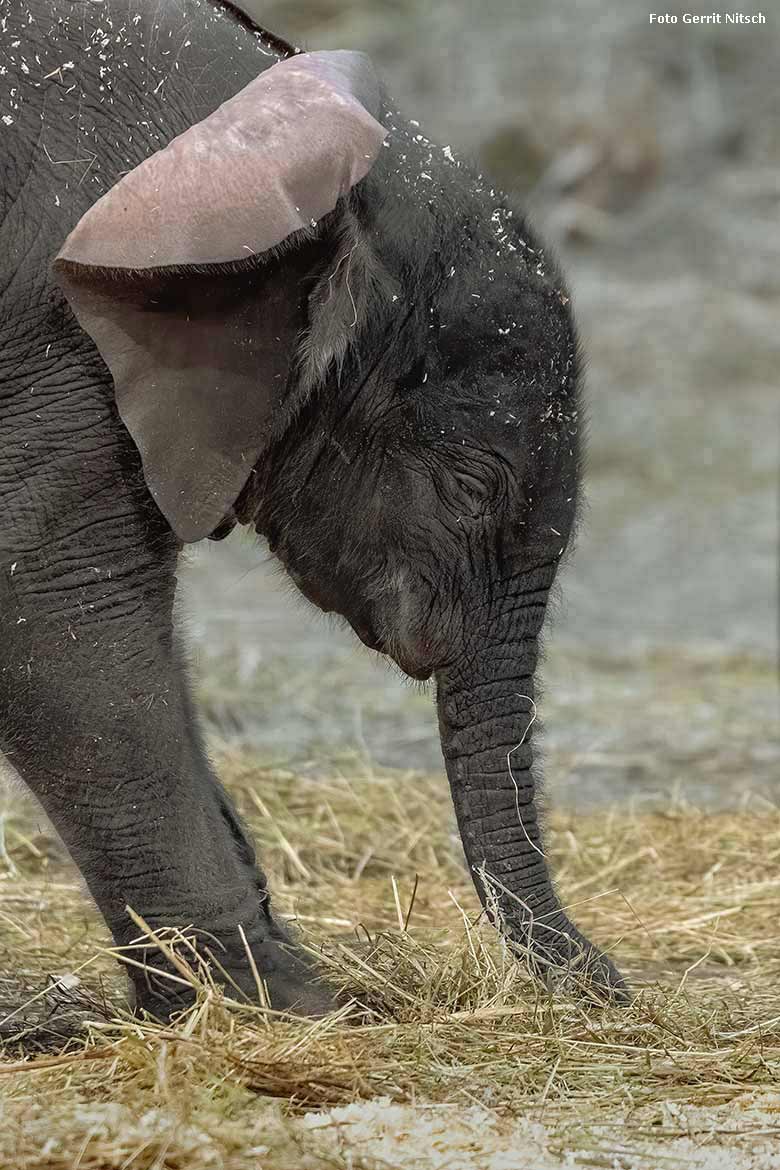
x,y
421,481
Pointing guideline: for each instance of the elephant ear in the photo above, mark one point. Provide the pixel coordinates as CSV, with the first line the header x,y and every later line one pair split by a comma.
x,y
178,276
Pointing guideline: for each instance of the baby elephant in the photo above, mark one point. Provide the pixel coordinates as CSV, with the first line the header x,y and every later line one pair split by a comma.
x,y
236,286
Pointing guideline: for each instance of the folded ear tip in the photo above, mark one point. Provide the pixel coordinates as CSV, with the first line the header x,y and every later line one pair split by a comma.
x,y
355,68
350,61
302,134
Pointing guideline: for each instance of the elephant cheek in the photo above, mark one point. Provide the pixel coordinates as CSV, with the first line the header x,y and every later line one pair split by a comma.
x,y
316,595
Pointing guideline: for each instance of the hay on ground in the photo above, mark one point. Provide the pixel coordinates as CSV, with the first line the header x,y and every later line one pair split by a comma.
x,y
449,1054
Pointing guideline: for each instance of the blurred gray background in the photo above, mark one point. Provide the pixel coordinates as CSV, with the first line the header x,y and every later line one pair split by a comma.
x,y
650,157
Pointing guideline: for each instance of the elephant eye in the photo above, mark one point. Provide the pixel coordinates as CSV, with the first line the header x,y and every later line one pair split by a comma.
x,y
414,376
473,486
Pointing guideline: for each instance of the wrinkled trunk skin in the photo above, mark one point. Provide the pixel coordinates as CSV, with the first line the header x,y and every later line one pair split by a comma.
x,y
486,711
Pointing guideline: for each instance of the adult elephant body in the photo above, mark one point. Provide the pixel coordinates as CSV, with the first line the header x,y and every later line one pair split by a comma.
x,y
300,316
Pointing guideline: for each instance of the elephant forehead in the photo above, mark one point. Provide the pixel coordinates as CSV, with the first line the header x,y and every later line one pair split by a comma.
x,y
271,161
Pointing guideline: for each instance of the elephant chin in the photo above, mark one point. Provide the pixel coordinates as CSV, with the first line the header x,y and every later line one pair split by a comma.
x,y
486,714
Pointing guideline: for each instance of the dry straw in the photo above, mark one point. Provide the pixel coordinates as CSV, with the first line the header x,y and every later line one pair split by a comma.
x,y
437,1010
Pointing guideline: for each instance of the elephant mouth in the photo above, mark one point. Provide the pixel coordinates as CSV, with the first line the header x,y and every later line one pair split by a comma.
x,y
367,634
418,673
418,668
415,657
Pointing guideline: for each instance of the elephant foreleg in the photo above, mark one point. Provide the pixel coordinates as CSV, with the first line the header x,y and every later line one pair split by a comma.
x,y
95,718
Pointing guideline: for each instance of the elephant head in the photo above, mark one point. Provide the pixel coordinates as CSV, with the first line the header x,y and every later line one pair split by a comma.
x,y
320,324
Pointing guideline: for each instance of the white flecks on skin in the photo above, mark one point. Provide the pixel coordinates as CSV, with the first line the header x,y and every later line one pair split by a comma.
x,y
109,45
116,37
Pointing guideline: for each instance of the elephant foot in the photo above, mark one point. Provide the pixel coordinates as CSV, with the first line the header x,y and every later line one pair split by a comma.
x,y
290,982
293,982
567,960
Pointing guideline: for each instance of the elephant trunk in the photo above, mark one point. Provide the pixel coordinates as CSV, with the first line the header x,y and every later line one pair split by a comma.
x,y
486,712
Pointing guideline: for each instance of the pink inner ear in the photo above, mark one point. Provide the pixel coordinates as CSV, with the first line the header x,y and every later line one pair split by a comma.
x,y
269,162
200,367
